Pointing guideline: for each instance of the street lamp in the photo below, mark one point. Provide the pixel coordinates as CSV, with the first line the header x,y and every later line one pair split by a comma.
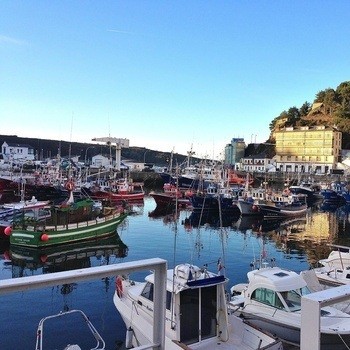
x,y
86,153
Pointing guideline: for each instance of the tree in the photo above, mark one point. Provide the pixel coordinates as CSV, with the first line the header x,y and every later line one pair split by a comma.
x,y
293,116
320,96
330,101
305,109
343,91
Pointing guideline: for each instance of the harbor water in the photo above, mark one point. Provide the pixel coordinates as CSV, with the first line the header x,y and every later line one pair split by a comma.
x,y
228,243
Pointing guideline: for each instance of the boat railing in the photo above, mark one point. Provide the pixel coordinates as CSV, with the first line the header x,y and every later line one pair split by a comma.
x,y
159,266
42,226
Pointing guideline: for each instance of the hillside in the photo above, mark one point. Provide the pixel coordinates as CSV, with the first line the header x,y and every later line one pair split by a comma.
x,y
331,107
51,148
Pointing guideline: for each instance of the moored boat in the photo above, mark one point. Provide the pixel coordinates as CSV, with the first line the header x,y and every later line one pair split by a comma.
x,y
96,340
11,212
293,206
121,190
311,190
217,198
57,231
271,300
196,313
171,196
335,269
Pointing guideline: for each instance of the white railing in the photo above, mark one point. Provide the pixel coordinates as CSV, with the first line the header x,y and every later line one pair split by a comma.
x,y
159,266
311,305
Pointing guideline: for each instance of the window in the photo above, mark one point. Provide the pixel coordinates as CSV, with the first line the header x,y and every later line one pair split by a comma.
x,y
148,294
148,291
265,296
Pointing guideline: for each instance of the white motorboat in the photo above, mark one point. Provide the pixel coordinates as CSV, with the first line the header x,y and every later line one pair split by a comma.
x,y
271,300
30,209
196,313
65,315
335,269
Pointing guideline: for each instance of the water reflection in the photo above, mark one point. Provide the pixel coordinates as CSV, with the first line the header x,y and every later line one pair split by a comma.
x,y
210,219
28,261
306,237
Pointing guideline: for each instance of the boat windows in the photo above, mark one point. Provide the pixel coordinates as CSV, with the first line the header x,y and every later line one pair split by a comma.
x,y
148,294
293,297
266,296
292,300
148,291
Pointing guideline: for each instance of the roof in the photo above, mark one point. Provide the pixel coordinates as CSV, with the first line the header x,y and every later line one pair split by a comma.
x,y
261,155
276,279
316,105
19,145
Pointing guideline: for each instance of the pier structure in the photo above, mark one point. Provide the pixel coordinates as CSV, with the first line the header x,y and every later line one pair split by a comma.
x,y
311,305
159,266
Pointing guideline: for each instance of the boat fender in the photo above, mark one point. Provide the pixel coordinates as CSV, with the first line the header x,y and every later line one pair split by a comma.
x,y
8,230
69,185
128,338
119,286
44,237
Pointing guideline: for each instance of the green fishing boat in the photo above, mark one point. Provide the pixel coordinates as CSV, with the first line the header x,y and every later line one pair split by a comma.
x,y
64,227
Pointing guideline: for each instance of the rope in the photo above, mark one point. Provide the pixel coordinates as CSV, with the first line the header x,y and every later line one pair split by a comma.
x,y
341,338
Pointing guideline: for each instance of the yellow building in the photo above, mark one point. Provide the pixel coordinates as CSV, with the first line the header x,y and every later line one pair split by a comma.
x,y
308,149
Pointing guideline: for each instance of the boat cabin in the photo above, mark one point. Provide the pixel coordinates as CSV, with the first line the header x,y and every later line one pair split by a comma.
x,y
194,298
276,287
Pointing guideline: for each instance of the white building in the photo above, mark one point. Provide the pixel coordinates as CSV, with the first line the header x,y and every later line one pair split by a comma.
x,y
102,162
15,151
257,163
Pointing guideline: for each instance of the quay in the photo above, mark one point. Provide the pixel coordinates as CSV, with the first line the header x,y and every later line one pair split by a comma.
x,y
310,304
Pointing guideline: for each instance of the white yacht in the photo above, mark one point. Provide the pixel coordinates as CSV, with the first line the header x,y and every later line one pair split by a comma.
x,y
271,300
197,316
335,269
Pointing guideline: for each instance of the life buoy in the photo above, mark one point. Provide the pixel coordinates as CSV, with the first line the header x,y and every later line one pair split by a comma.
x,y
119,286
69,185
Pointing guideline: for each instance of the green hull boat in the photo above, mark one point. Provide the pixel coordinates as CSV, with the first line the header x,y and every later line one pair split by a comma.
x,y
50,235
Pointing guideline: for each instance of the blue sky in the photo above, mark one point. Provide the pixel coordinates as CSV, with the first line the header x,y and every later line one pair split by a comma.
x,y
165,74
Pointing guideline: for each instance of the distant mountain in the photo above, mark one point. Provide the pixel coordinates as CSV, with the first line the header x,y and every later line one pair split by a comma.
x,y
51,148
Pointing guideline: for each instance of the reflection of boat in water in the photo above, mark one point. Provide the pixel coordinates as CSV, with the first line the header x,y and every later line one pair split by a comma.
x,y
66,257
245,223
330,206
169,216
260,225
209,218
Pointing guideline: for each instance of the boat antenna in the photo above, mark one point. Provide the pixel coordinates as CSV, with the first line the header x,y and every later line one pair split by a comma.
x,y
172,320
221,262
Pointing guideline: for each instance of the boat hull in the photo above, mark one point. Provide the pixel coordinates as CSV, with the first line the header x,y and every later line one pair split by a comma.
x,y
170,200
272,211
213,204
291,334
55,235
247,207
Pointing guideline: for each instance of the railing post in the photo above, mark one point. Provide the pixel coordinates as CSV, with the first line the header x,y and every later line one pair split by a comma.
x,y
160,280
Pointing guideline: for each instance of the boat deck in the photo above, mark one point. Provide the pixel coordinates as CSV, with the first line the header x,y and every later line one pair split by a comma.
x,y
241,338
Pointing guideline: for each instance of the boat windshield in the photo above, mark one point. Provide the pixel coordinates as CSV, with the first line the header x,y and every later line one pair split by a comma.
x,y
292,298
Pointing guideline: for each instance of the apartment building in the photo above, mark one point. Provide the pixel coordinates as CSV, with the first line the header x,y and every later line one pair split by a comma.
x,y
234,151
308,149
